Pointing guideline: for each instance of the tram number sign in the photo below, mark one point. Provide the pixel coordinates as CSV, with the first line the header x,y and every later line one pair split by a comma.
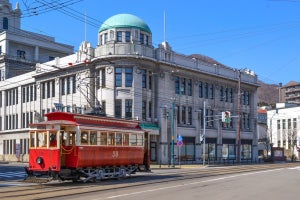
x,y
115,154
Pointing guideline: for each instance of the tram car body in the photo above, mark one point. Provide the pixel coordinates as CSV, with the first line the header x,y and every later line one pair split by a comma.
x,y
69,146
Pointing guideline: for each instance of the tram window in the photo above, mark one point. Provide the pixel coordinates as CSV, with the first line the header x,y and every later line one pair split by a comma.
x,y
126,139
84,137
132,139
42,139
103,138
140,140
53,141
72,138
118,138
93,138
32,138
111,139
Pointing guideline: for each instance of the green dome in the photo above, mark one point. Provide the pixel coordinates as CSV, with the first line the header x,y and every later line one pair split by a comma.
x,y
124,21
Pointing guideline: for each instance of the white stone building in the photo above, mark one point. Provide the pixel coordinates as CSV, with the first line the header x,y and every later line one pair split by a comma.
x,y
19,49
131,78
284,124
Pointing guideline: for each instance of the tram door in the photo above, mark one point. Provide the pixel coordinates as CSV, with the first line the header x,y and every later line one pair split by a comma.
x,y
62,146
67,142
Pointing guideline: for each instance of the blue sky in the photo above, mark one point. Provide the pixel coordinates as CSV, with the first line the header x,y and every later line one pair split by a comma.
x,y
262,35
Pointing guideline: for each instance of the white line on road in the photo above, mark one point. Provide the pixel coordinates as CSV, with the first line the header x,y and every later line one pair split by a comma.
x,y
186,184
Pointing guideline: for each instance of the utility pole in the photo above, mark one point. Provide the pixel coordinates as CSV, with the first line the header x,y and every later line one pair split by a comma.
x,y
172,133
204,126
239,118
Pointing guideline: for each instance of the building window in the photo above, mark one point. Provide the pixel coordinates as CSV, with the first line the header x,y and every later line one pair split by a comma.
x,y
144,78
176,85
128,108
226,94
147,40
246,149
21,54
190,87
183,115
182,86
128,77
23,95
221,93
142,38
150,81
74,84
43,91
101,40
118,77
68,85
211,91
206,90
228,149
31,93
150,109
63,89
231,95
127,36
119,36
105,38
5,23
0,99
53,88
103,78
144,103
118,108
48,89
200,89
187,152
190,115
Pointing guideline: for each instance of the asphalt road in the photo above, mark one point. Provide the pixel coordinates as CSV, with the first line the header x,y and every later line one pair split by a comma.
x,y
267,184
182,184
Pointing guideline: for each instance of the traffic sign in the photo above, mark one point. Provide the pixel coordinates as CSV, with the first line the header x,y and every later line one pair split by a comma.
x,y
179,138
179,143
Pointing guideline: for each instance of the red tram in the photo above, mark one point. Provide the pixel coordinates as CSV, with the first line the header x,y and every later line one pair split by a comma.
x,y
77,147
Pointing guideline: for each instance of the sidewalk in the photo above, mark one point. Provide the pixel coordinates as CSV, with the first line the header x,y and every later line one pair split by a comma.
x,y
184,166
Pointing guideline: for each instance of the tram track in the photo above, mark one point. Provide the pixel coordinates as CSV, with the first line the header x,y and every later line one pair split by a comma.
x,y
56,189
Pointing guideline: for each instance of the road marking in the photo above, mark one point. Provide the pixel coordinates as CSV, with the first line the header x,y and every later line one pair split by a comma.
x,y
297,168
12,174
187,184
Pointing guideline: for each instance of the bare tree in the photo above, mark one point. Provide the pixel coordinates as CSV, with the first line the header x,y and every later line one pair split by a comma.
x,y
292,142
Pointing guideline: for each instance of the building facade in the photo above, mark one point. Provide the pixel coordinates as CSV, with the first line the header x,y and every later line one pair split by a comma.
x,y
171,94
20,50
290,93
283,128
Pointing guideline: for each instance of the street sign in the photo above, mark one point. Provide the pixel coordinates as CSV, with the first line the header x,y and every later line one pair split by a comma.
x,y
179,143
179,138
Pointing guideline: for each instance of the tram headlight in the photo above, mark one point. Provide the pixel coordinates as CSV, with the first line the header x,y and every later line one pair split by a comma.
x,y
39,160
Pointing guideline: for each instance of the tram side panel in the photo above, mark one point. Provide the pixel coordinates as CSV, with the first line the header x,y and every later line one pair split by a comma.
x,y
102,156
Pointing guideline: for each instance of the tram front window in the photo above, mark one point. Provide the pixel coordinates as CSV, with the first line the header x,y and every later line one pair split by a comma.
x,y
41,139
53,140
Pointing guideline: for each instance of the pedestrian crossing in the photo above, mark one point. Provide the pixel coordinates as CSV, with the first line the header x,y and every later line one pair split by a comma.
x,y
8,175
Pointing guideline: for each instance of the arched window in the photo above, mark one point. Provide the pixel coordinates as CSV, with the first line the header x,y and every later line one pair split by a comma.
x,y
5,23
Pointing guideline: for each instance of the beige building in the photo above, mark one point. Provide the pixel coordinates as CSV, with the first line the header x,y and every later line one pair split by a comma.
x,y
171,94
290,93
